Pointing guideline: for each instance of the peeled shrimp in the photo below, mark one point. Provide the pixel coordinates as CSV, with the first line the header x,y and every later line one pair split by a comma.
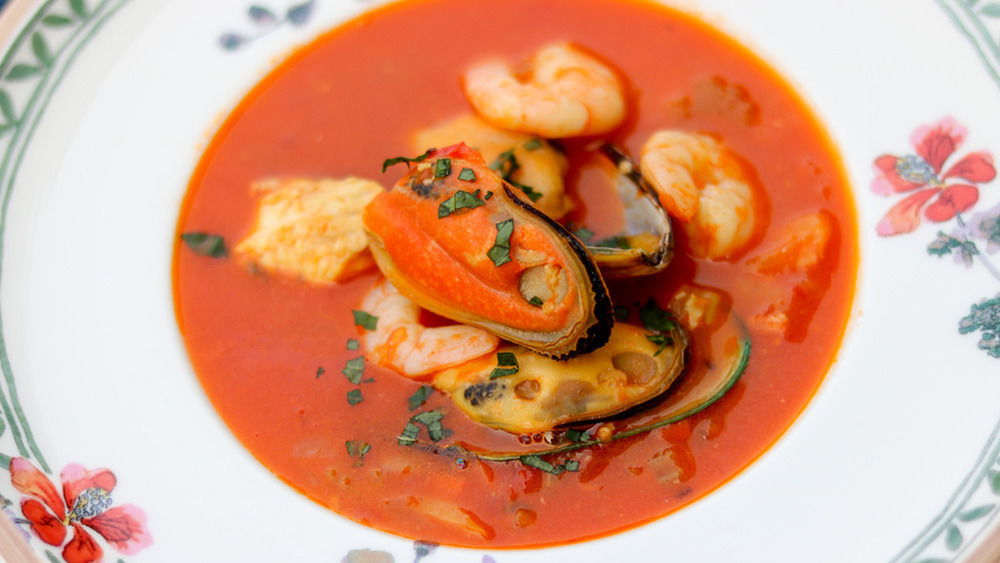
x,y
705,186
567,93
540,166
399,342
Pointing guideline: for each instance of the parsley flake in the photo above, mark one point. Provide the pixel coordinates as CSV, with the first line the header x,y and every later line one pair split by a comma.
x,y
358,450
536,461
430,420
442,168
661,340
205,244
409,435
467,175
621,313
506,365
418,399
354,369
459,200
320,372
659,321
536,301
365,320
400,159
354,397
500,252
584,234
619,242
506,164
533,144
656,319
533,195
353,344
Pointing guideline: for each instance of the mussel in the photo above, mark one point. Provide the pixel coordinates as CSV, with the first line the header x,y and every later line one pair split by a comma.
x,y
645,244
518,391
458,240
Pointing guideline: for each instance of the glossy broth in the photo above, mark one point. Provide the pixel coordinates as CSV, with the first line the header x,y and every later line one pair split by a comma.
x,y
269,351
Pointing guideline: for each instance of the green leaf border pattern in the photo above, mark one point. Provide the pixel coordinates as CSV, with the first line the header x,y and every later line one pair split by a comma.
x,y
39,56
974,507
979,22
31,70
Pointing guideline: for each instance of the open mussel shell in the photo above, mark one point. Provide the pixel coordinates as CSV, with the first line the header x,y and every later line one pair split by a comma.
x,y
645,244
456,239
542,394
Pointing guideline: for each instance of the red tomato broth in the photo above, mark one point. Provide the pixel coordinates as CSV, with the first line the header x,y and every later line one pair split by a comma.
x,y
268,351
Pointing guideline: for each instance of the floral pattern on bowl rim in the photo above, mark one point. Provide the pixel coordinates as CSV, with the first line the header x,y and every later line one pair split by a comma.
x,y
46,47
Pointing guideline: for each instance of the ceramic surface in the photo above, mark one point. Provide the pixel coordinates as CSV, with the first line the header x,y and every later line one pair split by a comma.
x,y
111,449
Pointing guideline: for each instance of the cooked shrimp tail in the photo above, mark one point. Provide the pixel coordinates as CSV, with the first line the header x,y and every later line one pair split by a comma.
x,y
708,188
567,93
401,343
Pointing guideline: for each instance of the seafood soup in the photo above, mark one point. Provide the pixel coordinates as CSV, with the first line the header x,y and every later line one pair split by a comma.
x,y
474,274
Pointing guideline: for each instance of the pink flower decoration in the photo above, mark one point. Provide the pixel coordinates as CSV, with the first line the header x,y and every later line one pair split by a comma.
x,y
85,503
936,195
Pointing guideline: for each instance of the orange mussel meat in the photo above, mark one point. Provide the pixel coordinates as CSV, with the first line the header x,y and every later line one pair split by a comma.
x,y
458,240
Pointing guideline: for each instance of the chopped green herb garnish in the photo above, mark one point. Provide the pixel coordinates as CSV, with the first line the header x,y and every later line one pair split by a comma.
x,y
656,319
659,321
418,399
354,397
365,320
467,175
506,164
431,420
460,200
488,196
394,161
409,435
354,370
500,252
584,234
213,246
613,242
574,435
533,144
506,365
621,313
320,372
536,301
357,449
353,344
661,340
533,195
442,168
538,463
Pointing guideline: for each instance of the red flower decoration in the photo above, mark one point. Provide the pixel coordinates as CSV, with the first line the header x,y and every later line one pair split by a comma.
x,y
85,503
937,196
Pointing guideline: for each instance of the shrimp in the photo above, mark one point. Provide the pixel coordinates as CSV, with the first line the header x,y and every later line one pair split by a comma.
x,y
533,164
567,93
399,342
707,188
